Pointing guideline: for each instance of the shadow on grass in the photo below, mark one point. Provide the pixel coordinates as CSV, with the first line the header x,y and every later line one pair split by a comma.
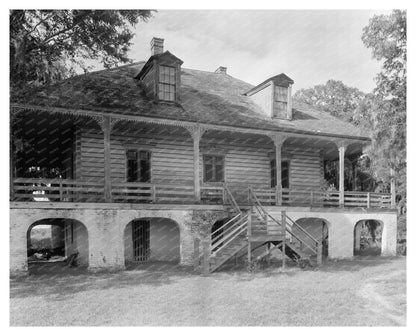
x,y
356,264
61,281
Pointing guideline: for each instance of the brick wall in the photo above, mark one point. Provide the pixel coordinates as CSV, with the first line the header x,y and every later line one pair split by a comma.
x,y
99,237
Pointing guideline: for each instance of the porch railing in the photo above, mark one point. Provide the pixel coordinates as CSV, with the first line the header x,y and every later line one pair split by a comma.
x,y
63,190
318,198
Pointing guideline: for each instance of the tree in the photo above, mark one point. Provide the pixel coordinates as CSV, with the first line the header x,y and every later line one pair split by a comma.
x,y
48,45
333,97
386,35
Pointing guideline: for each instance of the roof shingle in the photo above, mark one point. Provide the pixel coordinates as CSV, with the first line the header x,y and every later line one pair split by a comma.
x,y
206,97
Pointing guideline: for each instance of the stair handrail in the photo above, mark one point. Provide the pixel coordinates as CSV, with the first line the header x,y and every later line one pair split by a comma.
x,y
231,236
225,224
258,205
229,228
230,195
303,230
215,241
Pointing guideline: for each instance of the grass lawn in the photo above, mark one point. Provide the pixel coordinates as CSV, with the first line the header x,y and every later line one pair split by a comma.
x,y
365,291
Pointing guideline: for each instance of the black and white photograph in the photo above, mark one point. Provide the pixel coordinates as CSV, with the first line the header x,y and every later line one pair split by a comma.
x,y
206,167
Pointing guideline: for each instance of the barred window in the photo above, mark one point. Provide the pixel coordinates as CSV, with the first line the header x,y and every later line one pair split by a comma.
x,y
167,83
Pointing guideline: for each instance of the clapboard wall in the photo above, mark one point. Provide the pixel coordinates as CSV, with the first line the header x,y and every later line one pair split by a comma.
x,y
246,164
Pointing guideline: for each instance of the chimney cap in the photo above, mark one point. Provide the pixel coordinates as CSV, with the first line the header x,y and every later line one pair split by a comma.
x,y
221,70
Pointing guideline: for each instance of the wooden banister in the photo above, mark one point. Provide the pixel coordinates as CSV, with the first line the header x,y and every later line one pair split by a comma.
x,y
230,195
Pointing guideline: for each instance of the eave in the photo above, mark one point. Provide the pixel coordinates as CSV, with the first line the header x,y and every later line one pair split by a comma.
x,y
16,108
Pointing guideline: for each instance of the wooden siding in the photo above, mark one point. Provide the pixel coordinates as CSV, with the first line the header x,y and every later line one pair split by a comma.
x,y
246,164
149,82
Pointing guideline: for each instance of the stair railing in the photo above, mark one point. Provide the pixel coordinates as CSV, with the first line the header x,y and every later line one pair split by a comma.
x,y
224,229
265,214
235,230
227,193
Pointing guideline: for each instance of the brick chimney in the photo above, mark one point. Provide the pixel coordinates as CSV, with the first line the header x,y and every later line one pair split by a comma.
x,y
221,70
156,46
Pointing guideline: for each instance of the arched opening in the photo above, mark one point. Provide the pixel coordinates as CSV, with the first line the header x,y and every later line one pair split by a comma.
x,y
57,244
152,239
317,228
367,237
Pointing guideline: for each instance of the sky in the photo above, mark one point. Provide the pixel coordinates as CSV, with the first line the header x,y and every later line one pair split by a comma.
x,y
311,47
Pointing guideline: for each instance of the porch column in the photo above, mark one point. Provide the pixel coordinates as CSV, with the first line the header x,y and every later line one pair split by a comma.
x,y
278,141
106,127
393,187
196,133
341,153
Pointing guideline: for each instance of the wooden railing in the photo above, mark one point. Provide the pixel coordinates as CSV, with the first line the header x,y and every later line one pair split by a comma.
x,y
314,198
287,229
56,190
64,190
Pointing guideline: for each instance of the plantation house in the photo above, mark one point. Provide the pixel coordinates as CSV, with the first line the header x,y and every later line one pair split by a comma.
x,y
155,162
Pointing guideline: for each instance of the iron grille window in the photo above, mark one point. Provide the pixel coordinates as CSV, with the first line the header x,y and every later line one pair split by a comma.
x,y
167,83
138,165
213,168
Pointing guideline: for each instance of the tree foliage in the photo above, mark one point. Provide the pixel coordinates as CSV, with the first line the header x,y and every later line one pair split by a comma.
x,y
48,45
333,97
381,113
385,110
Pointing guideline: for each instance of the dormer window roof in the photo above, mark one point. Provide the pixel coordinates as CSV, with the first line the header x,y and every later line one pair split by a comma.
x,y
274,96
161,74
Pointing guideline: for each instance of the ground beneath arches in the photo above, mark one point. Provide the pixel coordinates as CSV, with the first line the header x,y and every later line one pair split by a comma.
x,y
364,291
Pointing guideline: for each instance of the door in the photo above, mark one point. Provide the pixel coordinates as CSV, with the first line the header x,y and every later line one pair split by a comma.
x,y
141,240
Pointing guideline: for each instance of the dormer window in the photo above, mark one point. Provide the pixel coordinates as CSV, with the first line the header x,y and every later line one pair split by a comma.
x,y
281,100
167,83
274,97
161,75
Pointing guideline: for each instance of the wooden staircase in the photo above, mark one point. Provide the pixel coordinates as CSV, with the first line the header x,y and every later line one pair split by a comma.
x,y
255,226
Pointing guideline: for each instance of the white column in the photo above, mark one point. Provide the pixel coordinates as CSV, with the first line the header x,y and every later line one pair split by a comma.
x,y
196,133
341,153
106,127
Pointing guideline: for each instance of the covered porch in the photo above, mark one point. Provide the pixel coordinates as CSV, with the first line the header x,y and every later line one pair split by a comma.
x,y
282,168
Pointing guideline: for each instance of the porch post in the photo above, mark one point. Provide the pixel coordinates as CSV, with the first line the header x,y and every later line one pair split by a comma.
x,y
278,141
393,187
341,152
196,134
106,127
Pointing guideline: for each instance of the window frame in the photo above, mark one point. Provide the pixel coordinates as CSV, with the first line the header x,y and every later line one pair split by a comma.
x,y
160,82
138,150
277,102
222,157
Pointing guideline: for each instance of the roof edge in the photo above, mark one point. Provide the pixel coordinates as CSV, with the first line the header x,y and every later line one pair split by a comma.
x,y
179,122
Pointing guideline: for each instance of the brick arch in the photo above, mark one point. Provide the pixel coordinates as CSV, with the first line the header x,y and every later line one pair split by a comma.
x,y
162,248
37,215
81,240
357,233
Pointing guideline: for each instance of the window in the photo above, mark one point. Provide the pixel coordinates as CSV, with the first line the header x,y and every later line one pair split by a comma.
x,y
285,173
280,98
138,165
167,83
213,168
